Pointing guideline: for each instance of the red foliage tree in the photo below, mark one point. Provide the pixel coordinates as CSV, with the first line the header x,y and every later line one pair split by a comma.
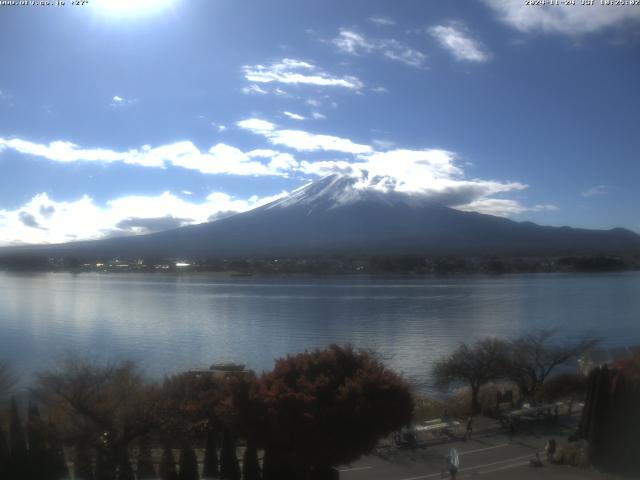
x,y
630,367
191,403
329,407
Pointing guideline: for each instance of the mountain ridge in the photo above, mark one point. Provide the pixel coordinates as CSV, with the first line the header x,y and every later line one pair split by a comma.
x,y
342,215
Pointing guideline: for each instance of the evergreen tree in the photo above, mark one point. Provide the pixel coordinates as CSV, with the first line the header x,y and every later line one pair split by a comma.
x,y
145,461
599,413
229,468
4,454
19,457
188,463
587,411
168,465
56,463
250,464
275,468
125,472
210,469
268,466
82,464
106,463
37,445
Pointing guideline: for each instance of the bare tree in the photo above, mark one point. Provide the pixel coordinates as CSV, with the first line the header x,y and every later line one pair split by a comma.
x,y
535,355
473,365
105,405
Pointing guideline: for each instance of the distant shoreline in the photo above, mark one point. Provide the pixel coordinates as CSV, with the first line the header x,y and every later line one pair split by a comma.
x,y
327,265
238,275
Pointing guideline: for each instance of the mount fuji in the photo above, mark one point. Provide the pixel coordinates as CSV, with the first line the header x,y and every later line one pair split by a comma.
x,y
341,215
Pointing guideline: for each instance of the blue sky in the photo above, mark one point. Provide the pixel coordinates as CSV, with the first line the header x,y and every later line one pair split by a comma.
x,y
118,120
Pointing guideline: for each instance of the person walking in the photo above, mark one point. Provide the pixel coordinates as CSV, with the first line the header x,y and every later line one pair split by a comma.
x,y
550,448
453,463
469,428
445,416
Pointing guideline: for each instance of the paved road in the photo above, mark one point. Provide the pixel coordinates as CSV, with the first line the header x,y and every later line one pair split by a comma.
x,y
487,457
482,455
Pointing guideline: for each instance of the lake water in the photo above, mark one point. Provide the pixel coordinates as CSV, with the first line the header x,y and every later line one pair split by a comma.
x,y
171,323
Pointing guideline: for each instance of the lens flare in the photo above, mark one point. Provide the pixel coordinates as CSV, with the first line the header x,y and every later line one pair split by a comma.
x,y
131,8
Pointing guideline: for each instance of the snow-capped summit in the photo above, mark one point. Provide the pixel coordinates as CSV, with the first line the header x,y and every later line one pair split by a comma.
x,y
337,190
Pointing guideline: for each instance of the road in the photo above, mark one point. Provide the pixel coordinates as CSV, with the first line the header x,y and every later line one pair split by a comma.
x,y
490,456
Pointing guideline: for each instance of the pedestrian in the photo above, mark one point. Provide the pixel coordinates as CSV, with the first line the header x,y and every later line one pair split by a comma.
x,y
536,462
550,448
512,430
445,416
453,463
469,427
556,413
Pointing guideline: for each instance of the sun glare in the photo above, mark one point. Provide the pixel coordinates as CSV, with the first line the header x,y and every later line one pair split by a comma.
x,y
131,8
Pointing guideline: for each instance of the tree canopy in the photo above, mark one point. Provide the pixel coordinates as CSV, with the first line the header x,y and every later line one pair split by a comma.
x,y
329,407
313,411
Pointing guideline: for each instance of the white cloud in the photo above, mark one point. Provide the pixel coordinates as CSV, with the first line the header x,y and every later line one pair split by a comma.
x,y
456,40
384,144
309,142
574,20
219,159
318,116
435,174
597,190
254,89
118,101
256,125
502,207
62,151
383,21
262,153
283,162
301,140
45,220
379,89
354,43
296,72
293,116
323,102
432,174
395,50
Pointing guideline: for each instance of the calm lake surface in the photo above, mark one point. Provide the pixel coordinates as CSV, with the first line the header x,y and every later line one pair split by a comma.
x,y
171,323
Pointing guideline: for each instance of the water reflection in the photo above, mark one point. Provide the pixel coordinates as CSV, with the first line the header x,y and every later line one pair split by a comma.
x,y
171,323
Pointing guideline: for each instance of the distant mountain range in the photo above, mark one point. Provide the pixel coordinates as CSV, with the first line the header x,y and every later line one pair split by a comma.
x,y
335,216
